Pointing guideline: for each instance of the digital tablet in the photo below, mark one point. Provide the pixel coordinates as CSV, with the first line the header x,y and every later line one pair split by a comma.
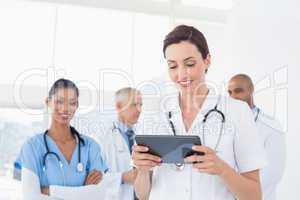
x,y
171,149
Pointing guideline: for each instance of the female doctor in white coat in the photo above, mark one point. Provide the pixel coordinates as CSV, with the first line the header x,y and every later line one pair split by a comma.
x,y
233,152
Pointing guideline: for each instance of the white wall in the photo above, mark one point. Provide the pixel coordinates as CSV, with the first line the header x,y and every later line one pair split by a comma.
x,y
263,36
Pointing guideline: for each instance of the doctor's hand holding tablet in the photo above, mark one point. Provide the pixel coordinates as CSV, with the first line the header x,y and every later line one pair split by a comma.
x,y
152,151
226,165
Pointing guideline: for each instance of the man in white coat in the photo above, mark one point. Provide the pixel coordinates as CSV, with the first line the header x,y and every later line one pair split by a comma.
x,y
119,139
241,87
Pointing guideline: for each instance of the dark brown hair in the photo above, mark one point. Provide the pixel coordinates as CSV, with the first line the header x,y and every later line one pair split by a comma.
x,y
62,84
187,33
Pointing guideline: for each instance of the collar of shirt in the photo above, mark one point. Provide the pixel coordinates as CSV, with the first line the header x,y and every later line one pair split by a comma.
x,y
254,109
173,106
256,112
123,128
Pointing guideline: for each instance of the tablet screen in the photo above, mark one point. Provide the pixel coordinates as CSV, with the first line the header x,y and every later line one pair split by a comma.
x,y
171,149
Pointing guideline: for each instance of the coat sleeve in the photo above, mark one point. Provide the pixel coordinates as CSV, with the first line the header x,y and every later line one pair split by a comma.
x,y
273,172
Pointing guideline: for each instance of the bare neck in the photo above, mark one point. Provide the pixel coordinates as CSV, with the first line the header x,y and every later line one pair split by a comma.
x,y
60,132
193,101
251,103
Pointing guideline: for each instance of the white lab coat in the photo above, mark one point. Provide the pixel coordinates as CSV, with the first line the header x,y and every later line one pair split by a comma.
x,y
273,138
115,153
240,147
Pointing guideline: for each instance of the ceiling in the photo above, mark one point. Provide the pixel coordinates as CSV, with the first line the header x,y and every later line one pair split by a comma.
x,y
208,10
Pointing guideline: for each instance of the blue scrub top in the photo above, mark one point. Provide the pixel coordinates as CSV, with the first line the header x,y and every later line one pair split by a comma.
x,y
34,149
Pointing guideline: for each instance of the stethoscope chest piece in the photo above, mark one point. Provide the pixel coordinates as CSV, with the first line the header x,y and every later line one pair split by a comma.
x,y
80,167
179,166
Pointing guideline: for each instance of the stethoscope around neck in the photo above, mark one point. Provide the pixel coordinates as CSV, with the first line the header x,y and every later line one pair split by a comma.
x,y
180,166
79,140
257,115
115,128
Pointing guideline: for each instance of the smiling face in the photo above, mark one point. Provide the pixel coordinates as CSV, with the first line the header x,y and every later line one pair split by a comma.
x,y
63,104
186,66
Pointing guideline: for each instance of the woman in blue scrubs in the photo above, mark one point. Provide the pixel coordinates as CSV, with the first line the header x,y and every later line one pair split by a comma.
x,y
60,156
